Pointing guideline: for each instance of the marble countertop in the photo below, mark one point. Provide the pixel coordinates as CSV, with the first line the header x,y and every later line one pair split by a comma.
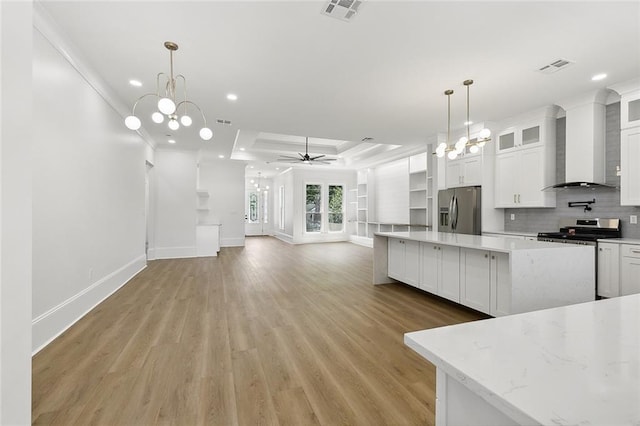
x,y
620,241
577,364
516,234
481,242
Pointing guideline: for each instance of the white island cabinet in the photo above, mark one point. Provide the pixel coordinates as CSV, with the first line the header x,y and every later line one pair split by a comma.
x,y
572,365
495,275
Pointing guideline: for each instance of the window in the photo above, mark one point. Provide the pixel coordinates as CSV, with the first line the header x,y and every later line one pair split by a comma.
x,y
281,207
336,208
313,210
265,206
253,207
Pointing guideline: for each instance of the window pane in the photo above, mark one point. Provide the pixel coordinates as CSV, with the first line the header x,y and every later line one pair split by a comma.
x,y
253,207
336,208
313,208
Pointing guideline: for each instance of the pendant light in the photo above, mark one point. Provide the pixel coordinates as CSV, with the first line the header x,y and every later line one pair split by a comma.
x,y
458,148
175,112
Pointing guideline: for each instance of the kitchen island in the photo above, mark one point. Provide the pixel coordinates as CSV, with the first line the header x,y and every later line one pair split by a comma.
x,y
573,365
495,275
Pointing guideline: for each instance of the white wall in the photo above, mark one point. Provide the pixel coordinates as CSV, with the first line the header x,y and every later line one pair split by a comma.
x,y
226,185
286,180
175,174
15,212
392,192
88,196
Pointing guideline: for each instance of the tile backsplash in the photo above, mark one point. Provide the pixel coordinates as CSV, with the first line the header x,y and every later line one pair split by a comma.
x,y
607,203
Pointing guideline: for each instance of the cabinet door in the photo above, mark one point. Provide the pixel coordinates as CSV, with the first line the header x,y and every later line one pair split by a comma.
x,y
531,178
453,176
430,271
396,259
506,141
629,269
412,263
475,275
472,171
506,180
449,279
629,170
608,270
500,285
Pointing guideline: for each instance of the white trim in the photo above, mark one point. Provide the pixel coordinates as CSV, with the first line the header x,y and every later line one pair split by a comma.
x,y
284,237
47,26
51,324
361,241
174,252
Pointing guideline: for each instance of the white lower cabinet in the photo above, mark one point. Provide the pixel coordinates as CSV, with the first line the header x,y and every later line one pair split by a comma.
x,y
475,279
500,286
629,269
440,270
404,261
608,270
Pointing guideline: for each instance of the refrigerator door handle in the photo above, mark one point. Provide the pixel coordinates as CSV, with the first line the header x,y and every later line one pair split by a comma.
x,y
454,213
451,213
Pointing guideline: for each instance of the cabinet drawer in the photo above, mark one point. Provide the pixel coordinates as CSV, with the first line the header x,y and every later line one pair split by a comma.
x,y
628,250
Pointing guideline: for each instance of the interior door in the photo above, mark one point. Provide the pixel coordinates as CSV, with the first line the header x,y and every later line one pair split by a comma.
x,y
256,213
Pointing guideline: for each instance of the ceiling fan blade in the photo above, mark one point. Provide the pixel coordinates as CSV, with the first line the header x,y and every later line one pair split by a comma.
x,y
289,157
287,160
317,156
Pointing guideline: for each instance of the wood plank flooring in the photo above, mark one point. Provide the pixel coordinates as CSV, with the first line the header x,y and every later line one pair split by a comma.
x,y
268,334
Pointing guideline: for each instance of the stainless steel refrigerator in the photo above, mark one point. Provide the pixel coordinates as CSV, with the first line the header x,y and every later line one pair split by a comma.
x,y
459,210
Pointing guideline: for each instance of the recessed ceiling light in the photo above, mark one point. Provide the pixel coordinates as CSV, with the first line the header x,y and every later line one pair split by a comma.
x,y
232,97
171,141
277,168
136,83
251,167
468,123
241,149
598,77
220,156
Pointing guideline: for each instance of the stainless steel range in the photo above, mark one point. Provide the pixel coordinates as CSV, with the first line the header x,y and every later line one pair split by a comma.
x,y
583,231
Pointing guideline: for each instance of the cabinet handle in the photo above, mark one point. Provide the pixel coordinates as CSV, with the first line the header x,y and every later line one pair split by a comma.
x,y
486,255
600,249
493,257
518,198
635,251
436,248
514,198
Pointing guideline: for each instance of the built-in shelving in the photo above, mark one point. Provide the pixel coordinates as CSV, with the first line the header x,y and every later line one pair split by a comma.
x,y
202,206
420,190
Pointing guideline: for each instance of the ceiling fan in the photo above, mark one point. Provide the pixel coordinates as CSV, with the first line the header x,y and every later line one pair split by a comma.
x,y
306,158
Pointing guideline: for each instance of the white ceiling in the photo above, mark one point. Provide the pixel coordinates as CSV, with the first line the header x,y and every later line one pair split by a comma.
x,y
299,73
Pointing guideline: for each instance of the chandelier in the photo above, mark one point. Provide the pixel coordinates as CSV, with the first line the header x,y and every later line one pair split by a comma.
x,y
175,113
474,145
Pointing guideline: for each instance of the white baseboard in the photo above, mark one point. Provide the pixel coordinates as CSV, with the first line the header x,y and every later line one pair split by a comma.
x,y
46,327
173,252
284,237
361,241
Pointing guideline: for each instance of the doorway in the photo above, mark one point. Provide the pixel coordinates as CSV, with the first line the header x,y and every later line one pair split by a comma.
x,y
257,217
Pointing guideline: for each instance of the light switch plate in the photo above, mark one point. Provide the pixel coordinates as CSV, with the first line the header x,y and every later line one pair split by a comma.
x,y
633,219
513,216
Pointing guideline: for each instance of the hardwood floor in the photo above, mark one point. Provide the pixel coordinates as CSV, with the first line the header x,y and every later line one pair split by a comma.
x,y
266,334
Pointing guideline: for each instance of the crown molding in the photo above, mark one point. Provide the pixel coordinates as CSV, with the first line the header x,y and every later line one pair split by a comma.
x,y
45,25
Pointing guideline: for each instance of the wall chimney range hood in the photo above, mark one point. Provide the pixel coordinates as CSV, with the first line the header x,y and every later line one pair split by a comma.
x,y
585,136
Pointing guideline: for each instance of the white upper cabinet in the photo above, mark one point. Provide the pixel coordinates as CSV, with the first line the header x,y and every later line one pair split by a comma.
x,y
525,162
630,167
466,171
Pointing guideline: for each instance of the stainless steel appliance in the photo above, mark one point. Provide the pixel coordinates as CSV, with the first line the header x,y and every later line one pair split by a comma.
x,y
459,210
583,231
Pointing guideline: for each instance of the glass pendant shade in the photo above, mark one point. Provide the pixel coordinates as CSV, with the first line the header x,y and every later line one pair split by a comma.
x,y
452,155
484,134
132,122
442,146
474,148
173,124
186,121
166,106
157,117
206,133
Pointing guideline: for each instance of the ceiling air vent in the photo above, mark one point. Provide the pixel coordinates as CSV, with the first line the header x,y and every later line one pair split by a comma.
x,y
557,65
344,10
223,122
367,139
